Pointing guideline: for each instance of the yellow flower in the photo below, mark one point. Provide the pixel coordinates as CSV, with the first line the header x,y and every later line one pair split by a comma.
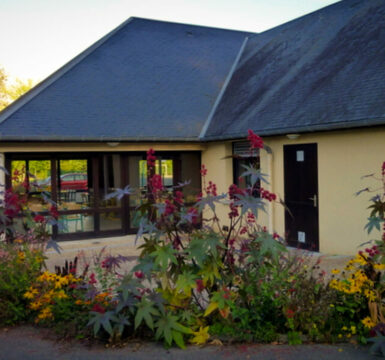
x,y
61,295
344,328
201,336
46,313
35,305
339,336
368,322
78,302
353,329
30,294
379,266
335,271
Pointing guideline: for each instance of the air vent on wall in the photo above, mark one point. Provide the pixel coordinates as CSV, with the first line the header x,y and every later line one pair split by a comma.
x,y
242,148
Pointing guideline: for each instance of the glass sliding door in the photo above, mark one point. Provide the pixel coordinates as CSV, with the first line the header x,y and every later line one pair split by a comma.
x,y
80,185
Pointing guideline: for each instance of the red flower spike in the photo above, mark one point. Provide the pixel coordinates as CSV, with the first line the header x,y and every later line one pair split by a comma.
x,y
151,158
256,142
203,170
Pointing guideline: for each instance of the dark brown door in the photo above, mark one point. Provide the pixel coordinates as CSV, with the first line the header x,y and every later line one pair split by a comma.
x,y
301,196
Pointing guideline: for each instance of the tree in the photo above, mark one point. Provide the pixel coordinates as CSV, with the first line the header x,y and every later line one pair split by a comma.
x,y
11,92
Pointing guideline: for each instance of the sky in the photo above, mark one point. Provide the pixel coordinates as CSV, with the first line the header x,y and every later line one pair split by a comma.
x,y
37,37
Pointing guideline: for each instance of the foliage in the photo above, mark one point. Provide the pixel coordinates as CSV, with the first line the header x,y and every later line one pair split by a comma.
x,y
11,92
20,264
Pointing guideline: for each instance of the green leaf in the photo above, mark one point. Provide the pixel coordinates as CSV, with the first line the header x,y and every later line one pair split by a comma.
x,y
178,338
373,222
186,282
102,320
145,312
164,255
165,327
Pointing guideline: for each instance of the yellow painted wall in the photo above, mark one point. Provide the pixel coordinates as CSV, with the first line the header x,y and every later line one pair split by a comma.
x,y
343,158
220,172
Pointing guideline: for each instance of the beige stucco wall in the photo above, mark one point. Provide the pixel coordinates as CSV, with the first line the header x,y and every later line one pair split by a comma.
x,y
220,172
343,158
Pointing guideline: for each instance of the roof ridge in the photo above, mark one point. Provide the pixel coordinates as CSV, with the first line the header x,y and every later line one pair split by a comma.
x,y
222,91
194,25
44,84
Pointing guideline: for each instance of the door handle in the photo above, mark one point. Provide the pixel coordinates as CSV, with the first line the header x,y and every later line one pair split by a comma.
x,y
314,199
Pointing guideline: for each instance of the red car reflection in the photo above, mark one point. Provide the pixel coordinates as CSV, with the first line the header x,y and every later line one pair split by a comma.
x,y
70,181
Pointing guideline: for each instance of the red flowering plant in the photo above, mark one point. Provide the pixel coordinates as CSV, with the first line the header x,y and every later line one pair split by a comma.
x,y
192,260
26,236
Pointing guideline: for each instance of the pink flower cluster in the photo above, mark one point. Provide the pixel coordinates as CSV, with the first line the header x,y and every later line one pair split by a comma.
x,y
211,189
203,170
156,183
265,194
371,251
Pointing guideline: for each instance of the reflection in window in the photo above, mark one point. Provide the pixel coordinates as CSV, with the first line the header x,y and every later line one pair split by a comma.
x,y
109,179
243,157
73,223
73,184
19,175
110,221
190,171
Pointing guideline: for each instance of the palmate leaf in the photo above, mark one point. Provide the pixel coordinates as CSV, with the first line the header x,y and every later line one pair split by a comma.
x,y
167,327
164,255
255,174
186,282
373,222
270,246
210,201
210,272
212,241
121,322
120,193
99,320
196,251
202,244
52,244
146,311
250,203
378,208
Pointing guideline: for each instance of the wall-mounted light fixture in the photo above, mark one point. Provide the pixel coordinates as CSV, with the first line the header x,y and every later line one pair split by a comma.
x,y
293,136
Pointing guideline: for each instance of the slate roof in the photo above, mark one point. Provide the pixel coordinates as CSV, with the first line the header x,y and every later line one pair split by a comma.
x,y
323,71
146,80
158,81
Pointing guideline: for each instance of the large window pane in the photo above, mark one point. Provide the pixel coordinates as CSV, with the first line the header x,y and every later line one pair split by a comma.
x,y
74,190
111,220
75,223
190,171
18,175
109,180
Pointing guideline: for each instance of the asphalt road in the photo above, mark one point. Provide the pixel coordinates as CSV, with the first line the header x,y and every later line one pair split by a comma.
x,y
27,343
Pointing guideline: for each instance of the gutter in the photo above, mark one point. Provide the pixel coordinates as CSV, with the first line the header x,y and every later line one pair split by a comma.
x,y
342,125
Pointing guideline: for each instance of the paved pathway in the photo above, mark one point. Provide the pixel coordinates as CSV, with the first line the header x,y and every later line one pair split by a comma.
x,y
27,343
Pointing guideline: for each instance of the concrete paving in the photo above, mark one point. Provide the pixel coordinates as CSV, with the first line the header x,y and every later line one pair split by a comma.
x,y
125,245
29,343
